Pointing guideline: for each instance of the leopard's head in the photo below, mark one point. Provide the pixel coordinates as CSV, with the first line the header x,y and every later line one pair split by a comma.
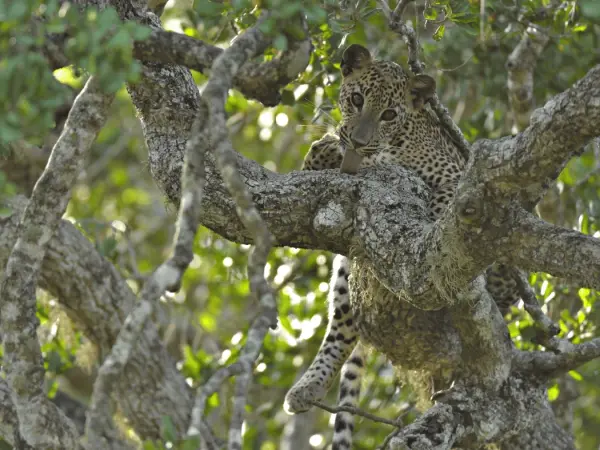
x,y
377,100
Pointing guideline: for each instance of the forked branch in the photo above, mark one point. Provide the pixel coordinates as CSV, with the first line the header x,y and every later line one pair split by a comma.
x,y
568,357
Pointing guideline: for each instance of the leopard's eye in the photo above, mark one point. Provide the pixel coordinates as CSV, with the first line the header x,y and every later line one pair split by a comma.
x,y
388,114
357,100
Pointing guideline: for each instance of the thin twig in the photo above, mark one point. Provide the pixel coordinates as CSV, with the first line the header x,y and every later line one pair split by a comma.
x,y
400,8
520,65
359,412
209,127
566,357
407,33
532,306
296,268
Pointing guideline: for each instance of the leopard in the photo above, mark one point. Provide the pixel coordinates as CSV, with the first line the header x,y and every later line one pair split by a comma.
x,y
386,120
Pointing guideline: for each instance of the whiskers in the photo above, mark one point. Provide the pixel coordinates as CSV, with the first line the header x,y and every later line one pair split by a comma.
x,y
344,138
315,128
368,150
322,113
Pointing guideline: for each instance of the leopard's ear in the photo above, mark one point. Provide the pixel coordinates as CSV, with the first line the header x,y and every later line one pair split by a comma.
x,y
355,57
422,88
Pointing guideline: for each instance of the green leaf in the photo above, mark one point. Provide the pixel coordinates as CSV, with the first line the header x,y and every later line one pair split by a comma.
x,y
430,14
280,42
191,443
575,375
149,445
107,246
439,33
287,98
18,11
285,322
553,392
208,322
140,32
169,433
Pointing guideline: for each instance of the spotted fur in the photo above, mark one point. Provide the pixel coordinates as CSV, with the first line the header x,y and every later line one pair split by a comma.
x,y
384,120
350,381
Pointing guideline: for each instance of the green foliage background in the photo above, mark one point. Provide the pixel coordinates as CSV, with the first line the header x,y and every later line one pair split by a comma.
x,y
116,204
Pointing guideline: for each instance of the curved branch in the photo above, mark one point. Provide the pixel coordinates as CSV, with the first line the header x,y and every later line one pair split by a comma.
x,y
41,423
260,81
305,215
544,433
213,129
9,424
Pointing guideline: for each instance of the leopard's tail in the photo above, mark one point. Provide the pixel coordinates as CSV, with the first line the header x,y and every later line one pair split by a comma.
x,y
350,381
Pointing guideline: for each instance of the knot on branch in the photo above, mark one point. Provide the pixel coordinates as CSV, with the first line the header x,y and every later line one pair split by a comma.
x,y
436,429
469,206
331,217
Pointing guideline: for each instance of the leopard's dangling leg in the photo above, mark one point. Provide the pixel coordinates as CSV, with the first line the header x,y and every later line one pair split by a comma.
x,y
340,339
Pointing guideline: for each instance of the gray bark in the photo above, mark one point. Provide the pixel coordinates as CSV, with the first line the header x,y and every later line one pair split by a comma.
x,y
97,299
416,290
427,265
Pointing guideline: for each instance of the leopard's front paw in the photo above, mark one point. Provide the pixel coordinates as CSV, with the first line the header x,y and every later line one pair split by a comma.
x,y
300,397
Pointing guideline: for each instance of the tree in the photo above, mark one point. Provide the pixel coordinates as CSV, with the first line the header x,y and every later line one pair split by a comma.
x,y
417,284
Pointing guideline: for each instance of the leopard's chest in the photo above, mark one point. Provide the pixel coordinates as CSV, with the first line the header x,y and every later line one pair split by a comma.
x,y
434,168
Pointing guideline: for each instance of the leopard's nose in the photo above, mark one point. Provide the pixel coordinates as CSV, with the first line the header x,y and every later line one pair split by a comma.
x,y
362,134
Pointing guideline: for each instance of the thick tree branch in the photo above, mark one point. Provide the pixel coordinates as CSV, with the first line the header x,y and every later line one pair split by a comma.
x,y
415,259
260,81
382,218
536,245
543,434
9,423
41,422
